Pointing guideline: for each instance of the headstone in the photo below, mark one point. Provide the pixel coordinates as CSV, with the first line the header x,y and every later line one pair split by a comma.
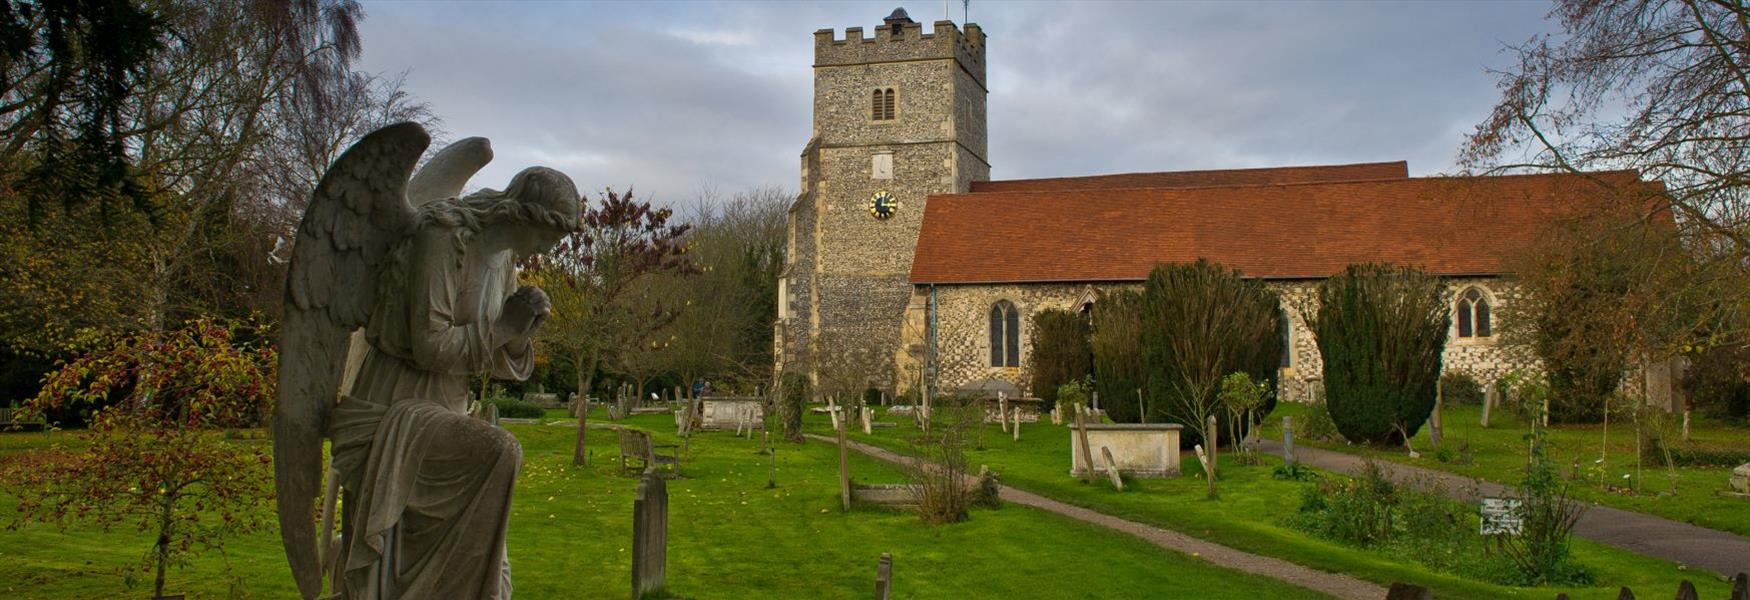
x,y
1686,591
1491,397
1288,439
1434,428
650,535
1017,429
1003,411
1741,478
868,421
1741,587
1082,441
1112,468
884,577
1408,591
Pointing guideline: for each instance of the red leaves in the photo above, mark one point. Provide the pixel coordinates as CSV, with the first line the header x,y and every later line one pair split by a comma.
x,y
198,376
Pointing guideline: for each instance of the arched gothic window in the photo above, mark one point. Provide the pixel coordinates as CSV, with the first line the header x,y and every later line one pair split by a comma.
x,y
881,105
1005,335
1472,313
1285,332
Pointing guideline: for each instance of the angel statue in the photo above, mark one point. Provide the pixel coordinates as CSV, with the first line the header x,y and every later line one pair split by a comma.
x,y
428,275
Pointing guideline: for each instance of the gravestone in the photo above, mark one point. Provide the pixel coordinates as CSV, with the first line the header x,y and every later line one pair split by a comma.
x,y
1408,591
1288,440
1112,468
884,577
650,535
1491,397
1139,450
1741,478
1081,435
1686,591
1741,587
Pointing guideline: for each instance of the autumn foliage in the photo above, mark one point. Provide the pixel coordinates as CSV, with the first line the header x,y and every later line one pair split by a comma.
x,y
154,460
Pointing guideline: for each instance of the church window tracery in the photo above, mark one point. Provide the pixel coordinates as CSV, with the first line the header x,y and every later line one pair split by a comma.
x,y
1472,314
1005,335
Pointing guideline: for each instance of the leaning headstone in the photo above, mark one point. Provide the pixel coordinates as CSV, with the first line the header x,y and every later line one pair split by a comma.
x,y
884,577
650,535
1112,468
1408,591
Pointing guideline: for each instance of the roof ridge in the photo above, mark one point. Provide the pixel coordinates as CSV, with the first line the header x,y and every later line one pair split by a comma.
x,y
1332,182
1198,171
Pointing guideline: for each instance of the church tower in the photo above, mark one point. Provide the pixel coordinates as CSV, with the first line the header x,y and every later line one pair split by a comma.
x,y
897,117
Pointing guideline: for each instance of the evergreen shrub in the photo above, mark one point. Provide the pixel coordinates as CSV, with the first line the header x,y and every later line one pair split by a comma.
x,y
1116,341
1201,322
1381,330
1060,351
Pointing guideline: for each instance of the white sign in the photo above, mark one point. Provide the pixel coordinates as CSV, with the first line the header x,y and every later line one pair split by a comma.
x,y
1500,516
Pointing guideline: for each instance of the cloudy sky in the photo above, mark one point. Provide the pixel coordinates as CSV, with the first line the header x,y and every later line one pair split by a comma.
x,y
678,97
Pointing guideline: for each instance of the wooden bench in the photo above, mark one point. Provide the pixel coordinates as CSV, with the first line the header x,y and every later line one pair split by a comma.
x,y
635,445
7,414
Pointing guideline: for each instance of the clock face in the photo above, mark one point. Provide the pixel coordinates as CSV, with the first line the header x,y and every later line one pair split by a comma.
x,y
882,205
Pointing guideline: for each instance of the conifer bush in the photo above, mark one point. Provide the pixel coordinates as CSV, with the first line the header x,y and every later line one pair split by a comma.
x,y
1201,322
1380,330
1115,338
1060,351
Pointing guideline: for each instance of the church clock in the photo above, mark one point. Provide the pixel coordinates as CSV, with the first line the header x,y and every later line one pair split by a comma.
x,y
882,205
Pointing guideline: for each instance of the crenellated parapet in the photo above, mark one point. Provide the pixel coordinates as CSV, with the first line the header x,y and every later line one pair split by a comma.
x,y
903,41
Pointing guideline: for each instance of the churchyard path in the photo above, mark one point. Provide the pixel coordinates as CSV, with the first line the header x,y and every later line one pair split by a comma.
x,y
1683,543
1335,584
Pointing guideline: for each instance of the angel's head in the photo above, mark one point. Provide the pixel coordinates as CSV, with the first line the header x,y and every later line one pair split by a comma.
x,y
539,207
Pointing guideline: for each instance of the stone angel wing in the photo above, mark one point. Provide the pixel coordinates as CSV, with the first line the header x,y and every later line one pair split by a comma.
x,y
356,217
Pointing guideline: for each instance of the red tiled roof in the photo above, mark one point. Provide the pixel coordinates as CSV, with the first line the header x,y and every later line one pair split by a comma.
x,y
1446,225
1183,179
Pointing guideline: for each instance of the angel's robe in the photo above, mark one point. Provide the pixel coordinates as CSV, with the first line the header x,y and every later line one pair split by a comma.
x,y
428,487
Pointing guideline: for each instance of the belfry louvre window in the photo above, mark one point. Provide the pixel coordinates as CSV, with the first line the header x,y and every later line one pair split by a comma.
x,y
881,105
1005,335
1473,314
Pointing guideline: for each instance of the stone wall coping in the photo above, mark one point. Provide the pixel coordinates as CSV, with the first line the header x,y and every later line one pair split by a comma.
x,y
1134,427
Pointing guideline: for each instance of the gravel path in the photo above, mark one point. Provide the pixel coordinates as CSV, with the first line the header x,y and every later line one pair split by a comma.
x,y
1641,533
1335,584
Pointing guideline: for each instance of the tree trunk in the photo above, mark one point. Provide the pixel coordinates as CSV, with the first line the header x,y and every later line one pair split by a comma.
x,y
585,378
166,523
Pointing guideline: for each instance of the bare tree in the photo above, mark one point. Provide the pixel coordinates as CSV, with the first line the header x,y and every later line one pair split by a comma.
x,y
1661,86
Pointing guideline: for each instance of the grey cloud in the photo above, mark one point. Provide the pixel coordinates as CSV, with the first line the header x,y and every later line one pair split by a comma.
x,y
673,97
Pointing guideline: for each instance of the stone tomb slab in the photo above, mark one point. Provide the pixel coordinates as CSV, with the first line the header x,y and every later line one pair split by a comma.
x,y
724,413
1031,409
1140,450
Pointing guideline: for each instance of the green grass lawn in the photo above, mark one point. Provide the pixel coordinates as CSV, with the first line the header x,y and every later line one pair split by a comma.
x,y
1250,515
1498,453
729,537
